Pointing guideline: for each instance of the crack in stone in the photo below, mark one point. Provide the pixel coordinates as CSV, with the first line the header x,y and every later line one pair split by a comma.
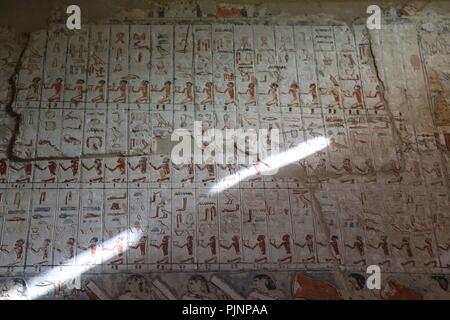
x,y
110,155
396,131
443,150
317,209
12,81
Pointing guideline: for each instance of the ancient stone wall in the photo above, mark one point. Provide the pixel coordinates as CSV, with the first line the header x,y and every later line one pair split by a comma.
x,y
87,180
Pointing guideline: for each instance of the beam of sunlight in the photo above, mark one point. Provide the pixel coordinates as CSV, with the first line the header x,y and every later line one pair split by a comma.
x,y
273,162
43,283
